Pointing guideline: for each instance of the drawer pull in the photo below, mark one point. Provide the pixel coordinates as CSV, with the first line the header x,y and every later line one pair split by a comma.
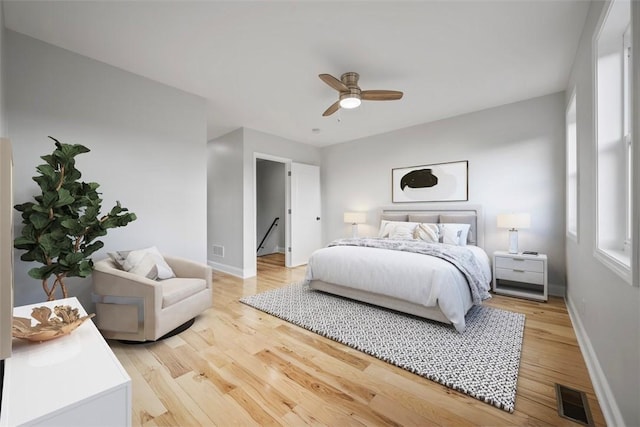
x,y
518,271
518,259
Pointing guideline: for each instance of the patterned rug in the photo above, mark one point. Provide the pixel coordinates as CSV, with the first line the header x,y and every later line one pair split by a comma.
x,y
481,362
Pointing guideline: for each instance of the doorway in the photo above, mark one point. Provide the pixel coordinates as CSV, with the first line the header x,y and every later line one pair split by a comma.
x,y
271,182
299,215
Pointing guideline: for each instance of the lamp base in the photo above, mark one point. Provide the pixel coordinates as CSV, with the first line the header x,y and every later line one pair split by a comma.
x,y
354,231
513,241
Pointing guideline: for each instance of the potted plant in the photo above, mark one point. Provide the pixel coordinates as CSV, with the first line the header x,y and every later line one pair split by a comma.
x,y
61,227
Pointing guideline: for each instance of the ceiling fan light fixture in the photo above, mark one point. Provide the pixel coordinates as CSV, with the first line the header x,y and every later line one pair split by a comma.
x,y
350,102
351,95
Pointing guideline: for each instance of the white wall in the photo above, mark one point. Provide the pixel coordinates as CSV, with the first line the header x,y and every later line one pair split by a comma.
x,y
147,141
270,204
516,164
605,309
223,220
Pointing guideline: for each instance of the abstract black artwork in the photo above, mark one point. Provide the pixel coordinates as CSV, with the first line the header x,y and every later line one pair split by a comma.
x,y
440,182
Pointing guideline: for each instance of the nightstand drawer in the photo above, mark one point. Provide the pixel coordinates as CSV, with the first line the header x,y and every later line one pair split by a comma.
x,y
515,263
519,275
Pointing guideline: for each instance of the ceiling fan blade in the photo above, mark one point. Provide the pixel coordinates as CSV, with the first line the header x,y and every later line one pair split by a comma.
x,y
333,82
334,107
381,95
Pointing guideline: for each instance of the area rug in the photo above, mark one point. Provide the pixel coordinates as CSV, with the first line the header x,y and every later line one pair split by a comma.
x,y
482,362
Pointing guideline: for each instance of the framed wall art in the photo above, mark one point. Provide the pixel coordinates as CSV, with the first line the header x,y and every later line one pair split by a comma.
x,y
439,182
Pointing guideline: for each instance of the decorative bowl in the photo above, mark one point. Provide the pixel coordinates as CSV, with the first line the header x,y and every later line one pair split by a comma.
x,y
66,319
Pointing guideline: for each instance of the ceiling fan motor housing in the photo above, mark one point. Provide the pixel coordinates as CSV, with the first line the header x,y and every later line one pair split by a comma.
x,y
350,79
354,92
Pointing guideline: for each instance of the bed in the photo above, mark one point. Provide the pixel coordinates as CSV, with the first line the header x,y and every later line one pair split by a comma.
x,y
425,261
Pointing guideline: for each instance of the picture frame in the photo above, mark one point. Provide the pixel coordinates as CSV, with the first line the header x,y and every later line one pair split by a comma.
x,y
437,182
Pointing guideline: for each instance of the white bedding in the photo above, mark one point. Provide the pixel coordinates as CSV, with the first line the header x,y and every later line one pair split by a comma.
x,y
421,279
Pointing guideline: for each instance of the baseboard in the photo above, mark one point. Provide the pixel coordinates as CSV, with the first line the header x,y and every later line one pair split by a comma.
x,y
610,410
234,271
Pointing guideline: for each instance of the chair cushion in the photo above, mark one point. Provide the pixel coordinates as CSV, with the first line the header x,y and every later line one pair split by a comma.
x,y
177,289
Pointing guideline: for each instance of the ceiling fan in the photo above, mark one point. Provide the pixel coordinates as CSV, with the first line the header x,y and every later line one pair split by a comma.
x,y
350,93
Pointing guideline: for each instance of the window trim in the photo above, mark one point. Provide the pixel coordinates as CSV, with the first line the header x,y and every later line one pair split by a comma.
x,y
572,234
627,127
618,261
635,158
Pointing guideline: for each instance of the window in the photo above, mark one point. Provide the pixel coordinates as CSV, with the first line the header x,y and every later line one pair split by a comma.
x,y
613,139
572,169
627,124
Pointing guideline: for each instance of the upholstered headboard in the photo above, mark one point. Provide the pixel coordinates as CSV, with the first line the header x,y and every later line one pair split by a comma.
x,y
463,213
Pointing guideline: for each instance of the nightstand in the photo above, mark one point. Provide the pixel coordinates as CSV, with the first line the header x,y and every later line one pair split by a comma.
x,y
520,275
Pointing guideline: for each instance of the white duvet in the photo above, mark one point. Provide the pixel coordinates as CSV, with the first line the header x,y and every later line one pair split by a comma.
x,y
420,279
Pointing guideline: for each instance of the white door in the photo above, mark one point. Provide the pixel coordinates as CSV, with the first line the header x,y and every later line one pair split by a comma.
x,y
306,231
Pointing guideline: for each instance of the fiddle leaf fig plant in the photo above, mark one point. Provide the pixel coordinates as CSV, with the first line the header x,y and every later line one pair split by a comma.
x,y
62,225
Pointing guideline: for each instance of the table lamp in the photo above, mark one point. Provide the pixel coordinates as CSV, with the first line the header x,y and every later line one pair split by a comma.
x,y
355,218
513,222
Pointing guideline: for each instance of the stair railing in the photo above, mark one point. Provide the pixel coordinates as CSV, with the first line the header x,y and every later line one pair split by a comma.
x,y
273,225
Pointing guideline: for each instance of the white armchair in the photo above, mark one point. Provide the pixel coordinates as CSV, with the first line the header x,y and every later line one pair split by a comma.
x,y
133,308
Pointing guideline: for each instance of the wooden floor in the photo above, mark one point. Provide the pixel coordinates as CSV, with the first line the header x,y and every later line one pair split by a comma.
x,y
239,366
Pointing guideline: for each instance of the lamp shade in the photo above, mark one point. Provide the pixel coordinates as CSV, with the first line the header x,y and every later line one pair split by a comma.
x,y
355,217
514,221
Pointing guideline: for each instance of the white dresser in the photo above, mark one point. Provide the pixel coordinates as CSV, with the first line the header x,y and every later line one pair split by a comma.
x,y
75,380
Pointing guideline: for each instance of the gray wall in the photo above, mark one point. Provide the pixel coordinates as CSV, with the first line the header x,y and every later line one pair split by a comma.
x,y
224,201
605,309
147,141
234,226
270,204
516,164
3,107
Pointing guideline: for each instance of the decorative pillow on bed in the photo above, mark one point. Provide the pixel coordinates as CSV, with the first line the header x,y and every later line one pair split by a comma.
x,y
462,219
429,233
454,234
402,231
387,228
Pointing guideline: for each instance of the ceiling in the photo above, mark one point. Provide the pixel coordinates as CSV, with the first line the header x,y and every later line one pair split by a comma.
x,y
257,63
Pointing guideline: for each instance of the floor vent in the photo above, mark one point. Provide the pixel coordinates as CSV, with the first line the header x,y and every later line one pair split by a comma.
x,y
573,404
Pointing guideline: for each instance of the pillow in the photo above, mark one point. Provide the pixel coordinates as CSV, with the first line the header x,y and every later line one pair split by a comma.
x,y
118,258
427,232
142,264
387,226
424,218
463,219
147,262
454,234
402,231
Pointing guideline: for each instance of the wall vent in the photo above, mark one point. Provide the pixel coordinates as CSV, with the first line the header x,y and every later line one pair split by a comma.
x,y
573,404
218,250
